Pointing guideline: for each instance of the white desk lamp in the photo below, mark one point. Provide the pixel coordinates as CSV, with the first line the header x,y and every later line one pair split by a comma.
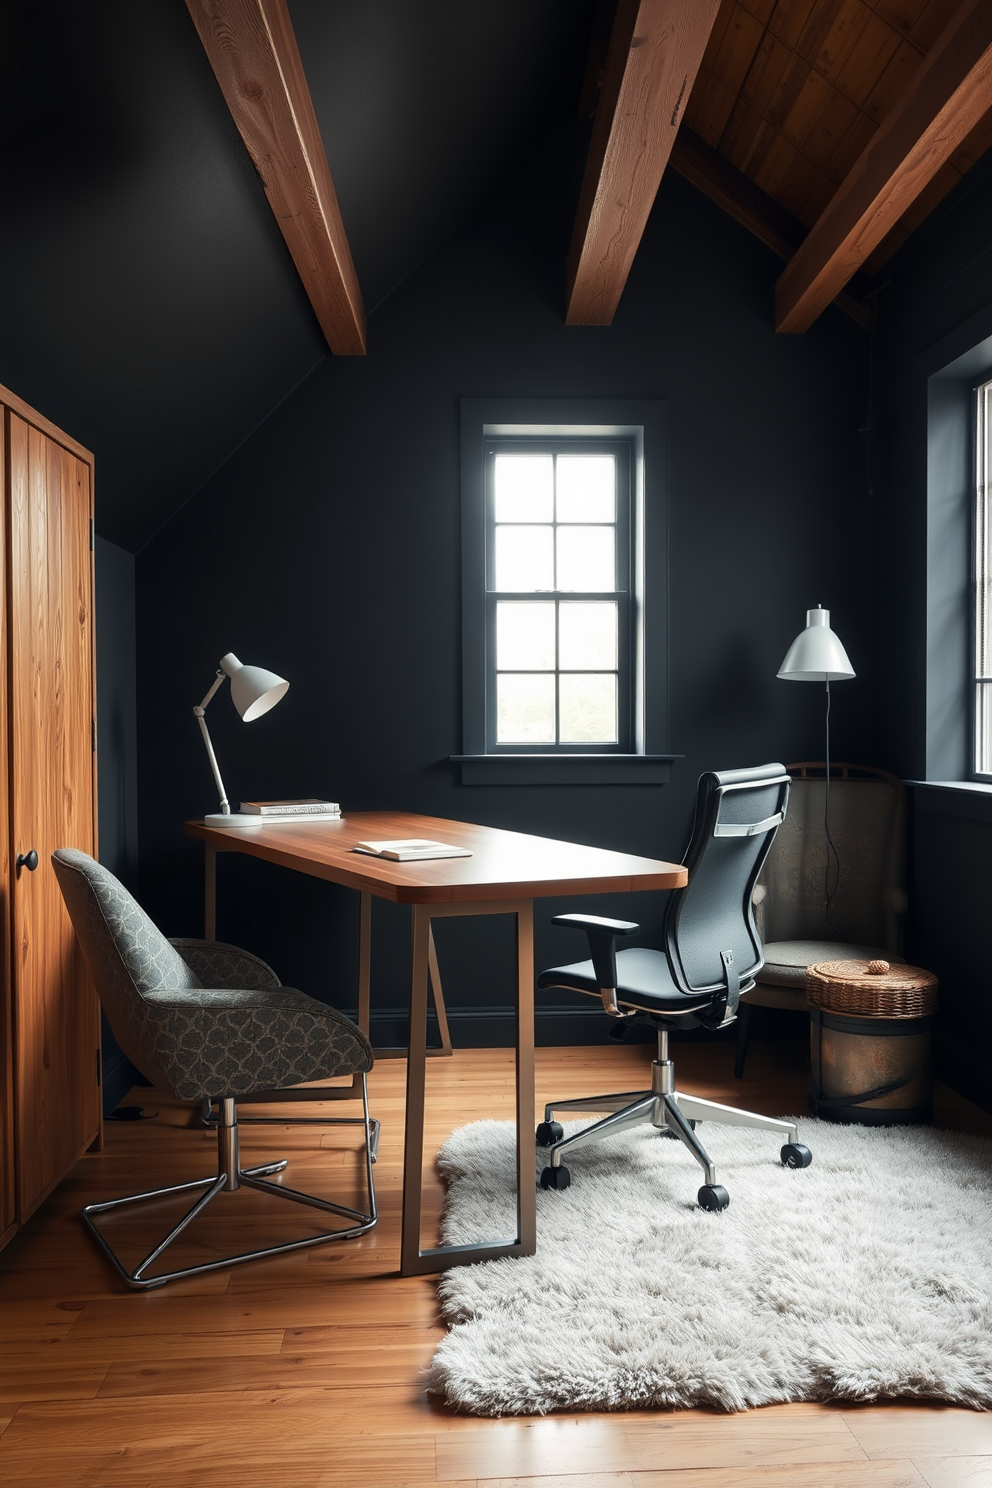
x,y
816,655
253,692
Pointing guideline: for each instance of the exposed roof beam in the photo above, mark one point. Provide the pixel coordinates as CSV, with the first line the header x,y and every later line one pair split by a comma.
x,y
655,50
253,52
946,99
754,209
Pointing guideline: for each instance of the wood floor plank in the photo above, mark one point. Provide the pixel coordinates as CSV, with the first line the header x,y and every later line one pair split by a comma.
x,y
956,1472
327,1369
816,1475
183,1462
689,1439
45,1378
127,1346
917,1431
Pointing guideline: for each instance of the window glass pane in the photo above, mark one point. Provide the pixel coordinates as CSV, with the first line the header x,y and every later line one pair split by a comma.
x,y
524,488
588,708
524,558
586,488
525,637
586,558
587,635
525,708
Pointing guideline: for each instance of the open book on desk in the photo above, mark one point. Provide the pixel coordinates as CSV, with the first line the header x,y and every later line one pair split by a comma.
x,y
409,849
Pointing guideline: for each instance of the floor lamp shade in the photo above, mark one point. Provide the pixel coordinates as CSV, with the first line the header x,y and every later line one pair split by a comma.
x,y
816,655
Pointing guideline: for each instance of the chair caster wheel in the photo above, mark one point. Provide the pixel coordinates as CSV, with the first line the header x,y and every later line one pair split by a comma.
x,y
795,1155
713,1196
549,1132
556,1178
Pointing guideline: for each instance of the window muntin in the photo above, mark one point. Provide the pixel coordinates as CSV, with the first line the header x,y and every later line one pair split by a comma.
x,y
983,585
558,596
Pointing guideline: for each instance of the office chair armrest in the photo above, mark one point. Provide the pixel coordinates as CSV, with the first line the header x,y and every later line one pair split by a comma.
x,y
595,922
602,948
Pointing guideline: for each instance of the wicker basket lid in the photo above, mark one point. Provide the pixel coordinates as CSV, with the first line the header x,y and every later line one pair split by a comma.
x,y
872,989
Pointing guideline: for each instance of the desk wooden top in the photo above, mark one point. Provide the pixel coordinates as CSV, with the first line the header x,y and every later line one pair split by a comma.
x,y
503,865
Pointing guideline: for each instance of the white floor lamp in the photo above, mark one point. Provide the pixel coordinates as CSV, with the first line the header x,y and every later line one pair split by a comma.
x,y
817,655
253,692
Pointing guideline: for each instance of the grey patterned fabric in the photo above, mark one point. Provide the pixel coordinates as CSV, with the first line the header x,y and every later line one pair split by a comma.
x,y
218,964
194,1041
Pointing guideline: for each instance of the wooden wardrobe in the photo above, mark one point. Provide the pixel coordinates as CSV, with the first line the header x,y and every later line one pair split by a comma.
x,y
51,1111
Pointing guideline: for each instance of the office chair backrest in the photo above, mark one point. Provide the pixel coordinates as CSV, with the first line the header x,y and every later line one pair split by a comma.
x,y
737,815
127,955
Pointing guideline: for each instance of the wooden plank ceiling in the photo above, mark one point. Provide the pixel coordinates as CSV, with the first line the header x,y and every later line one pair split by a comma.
x,y
830,128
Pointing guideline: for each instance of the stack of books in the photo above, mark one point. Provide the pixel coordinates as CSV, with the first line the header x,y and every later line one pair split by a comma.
x,y
306,808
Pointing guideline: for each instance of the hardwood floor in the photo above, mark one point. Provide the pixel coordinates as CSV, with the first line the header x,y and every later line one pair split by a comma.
x,y
303,1371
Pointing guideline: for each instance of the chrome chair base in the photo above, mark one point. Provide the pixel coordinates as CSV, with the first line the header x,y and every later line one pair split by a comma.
x,y
666,1109
231,1176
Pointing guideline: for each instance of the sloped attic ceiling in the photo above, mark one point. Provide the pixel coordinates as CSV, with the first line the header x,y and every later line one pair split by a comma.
x,y
152,309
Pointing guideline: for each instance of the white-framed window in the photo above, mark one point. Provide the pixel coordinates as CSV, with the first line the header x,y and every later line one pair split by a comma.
x,y
564,592
558,595
983,583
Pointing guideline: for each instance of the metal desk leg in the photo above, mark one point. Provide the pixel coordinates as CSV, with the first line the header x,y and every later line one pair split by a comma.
x,y
365,985
413,1260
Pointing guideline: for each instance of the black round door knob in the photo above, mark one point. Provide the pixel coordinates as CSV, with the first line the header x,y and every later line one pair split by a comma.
x,y
28,860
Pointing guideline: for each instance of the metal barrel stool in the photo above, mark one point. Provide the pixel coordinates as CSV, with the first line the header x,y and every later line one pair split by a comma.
x,y
871,1033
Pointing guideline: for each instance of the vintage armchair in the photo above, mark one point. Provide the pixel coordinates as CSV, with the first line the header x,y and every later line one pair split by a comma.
x,y
867,819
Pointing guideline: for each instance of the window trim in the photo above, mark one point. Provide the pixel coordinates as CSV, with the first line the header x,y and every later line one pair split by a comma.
x,y
982,517
643,423
624,594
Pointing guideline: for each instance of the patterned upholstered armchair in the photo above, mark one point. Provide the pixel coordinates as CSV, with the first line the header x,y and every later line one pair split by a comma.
x,y
209,1023
867,820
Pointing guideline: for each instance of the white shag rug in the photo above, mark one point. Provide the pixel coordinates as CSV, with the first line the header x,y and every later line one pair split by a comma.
x,y
866,1275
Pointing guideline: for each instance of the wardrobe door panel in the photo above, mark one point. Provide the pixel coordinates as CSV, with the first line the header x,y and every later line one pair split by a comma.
x,y
56,1028
8,1212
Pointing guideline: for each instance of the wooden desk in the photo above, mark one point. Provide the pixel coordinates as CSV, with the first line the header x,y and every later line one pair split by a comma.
x,y
505,874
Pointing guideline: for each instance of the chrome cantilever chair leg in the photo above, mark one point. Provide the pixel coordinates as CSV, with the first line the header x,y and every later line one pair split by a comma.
x,y
231,1176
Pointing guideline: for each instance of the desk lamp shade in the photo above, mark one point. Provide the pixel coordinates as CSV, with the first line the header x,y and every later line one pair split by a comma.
x,y
253,691
816,655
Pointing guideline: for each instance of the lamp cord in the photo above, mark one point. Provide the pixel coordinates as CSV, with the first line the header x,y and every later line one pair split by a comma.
x,y
828,893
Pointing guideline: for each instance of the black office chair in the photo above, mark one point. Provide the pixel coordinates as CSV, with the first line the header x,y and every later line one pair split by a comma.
x,y
712,954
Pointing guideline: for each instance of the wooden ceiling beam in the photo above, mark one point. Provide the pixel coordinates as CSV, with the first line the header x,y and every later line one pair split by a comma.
x,y
253,52
946,99
655,50
754,209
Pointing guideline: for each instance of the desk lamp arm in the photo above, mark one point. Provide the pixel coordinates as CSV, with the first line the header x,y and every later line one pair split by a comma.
x,y
199,710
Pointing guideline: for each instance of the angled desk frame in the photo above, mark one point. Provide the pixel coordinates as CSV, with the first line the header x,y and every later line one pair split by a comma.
x,y
505,874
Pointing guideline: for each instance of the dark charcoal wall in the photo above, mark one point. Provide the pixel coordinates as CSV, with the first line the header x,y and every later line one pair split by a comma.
x,y
940,283
327,549
117,763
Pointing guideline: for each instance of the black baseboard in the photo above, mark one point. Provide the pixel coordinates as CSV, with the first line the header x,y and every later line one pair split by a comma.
x,y
495,1028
